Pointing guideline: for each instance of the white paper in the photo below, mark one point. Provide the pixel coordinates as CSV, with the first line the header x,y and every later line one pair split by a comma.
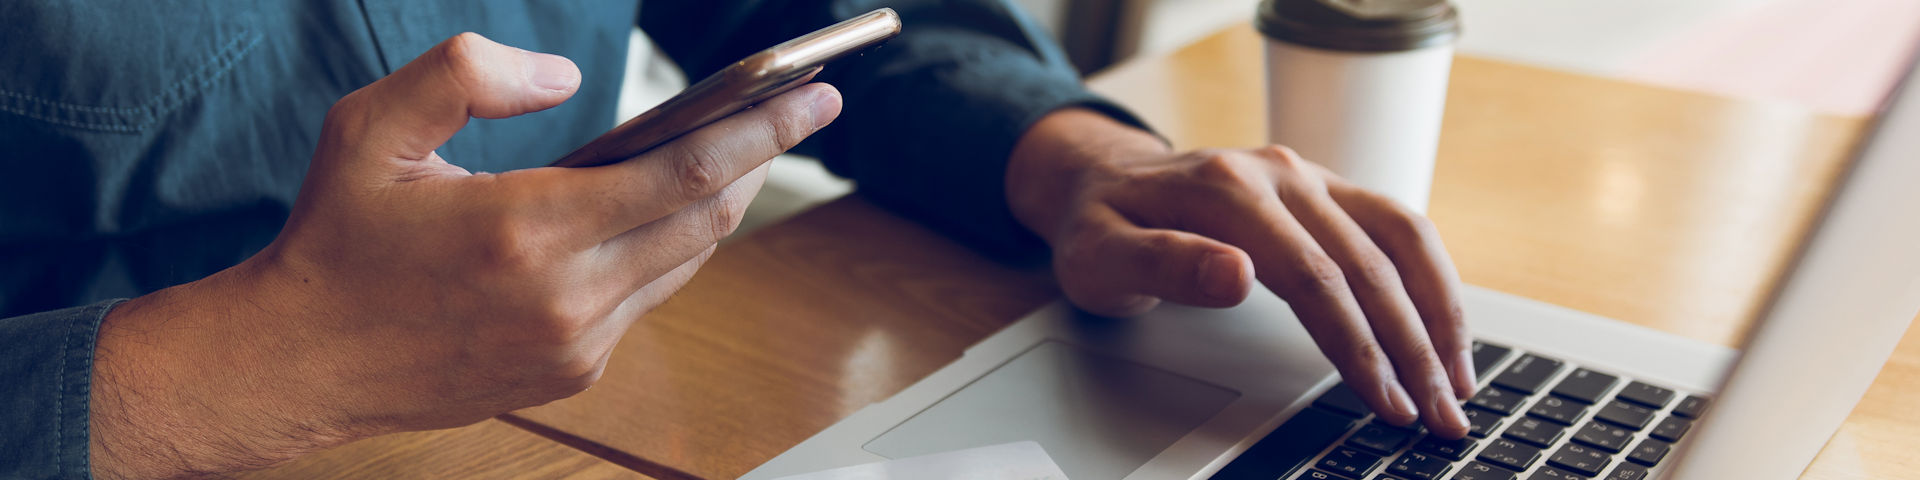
x,y
1010,461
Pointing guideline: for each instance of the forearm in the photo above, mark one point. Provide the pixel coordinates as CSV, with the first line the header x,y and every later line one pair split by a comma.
x,y
178,392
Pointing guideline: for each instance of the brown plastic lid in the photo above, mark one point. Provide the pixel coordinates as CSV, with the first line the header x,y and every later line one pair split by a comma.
x,y
1360,25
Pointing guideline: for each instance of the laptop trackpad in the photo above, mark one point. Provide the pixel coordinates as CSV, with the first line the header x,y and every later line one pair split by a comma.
x,y
1099,417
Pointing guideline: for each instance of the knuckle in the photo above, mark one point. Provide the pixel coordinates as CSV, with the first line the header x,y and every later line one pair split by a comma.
x,y
509,248
1317,275
1292,168
1223,173
1282,153
723,217
560,319
1423,362
790,128
461,55
1216,166
1155,245
345,119
697,170
1412,225
1284,158
1363,356
1375,273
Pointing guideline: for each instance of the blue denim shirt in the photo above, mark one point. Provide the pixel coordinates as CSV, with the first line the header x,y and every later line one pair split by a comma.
x,y
148,143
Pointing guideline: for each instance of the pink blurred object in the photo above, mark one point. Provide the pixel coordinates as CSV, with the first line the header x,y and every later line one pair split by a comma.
x,y
1835,56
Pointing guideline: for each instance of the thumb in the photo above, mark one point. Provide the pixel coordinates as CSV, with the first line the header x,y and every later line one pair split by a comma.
x,y
1114,268
416,109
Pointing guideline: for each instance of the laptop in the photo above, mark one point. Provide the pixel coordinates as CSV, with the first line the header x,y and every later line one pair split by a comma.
x,y
1243,393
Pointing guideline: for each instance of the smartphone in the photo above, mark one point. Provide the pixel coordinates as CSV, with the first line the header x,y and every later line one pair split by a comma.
x,y
758,77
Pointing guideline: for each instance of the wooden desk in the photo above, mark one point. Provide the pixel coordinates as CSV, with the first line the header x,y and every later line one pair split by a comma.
x,y
1669,209
487,450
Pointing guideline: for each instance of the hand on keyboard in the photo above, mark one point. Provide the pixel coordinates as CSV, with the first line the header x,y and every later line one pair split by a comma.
x,y
1132,223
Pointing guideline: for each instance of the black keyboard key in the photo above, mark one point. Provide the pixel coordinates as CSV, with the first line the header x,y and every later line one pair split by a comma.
x,y
1455,450
1550,473
1380,438
1349,462
1342,400
1528,373
1318,475
1584,385
1625,414
1645,394
1535,431
1419,466
1628,471
1481,423
1510,454
1603,436
1671,429
1649,452
1291,445
1481,471
1559,410
1485,356
1497,399
1691,407
1587,462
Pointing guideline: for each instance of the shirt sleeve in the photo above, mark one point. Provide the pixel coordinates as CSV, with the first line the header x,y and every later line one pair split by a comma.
x,y
46,371
930,117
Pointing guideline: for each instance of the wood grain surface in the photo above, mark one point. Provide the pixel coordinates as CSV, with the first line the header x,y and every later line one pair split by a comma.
x,y
1664,208
1881,439
1661,207
487,450
788,330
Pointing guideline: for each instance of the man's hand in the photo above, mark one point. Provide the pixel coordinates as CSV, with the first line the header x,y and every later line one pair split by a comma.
x,y
1132,223
405,293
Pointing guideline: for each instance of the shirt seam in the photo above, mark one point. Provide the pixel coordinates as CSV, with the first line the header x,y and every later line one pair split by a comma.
x,y
78,342
130,119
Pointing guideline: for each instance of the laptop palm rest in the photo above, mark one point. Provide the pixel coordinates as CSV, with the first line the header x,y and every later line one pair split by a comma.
x,y
1098,416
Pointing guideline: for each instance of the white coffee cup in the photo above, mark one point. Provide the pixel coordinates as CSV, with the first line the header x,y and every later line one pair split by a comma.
x,y
1360,87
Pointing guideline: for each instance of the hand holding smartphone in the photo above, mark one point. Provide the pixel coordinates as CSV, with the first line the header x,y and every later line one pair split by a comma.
x,y
758,77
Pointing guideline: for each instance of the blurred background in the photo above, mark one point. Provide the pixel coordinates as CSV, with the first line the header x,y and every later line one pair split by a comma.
x,y
1830,56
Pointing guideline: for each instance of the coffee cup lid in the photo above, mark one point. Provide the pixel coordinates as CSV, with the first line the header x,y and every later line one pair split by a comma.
x,y
1360,25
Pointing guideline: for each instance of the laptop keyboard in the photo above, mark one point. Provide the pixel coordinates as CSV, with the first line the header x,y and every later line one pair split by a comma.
x,y
1539,418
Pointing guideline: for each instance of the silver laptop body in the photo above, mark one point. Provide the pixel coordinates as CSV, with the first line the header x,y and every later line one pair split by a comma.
x,y
1184,392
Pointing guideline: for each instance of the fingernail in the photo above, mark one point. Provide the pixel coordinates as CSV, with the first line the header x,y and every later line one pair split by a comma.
x,y
552,72
825,107
1449,411
1464,377
1220,276
1402,403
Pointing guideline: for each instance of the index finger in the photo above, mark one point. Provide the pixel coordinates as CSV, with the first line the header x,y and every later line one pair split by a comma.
x,y
1413,245
598,203
1288,261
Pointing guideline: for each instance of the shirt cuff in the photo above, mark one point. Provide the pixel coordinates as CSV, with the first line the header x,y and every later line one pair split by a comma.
x,y
46,363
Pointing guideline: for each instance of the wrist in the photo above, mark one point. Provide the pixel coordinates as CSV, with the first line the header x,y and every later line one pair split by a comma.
x,y
1062,152
181,387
